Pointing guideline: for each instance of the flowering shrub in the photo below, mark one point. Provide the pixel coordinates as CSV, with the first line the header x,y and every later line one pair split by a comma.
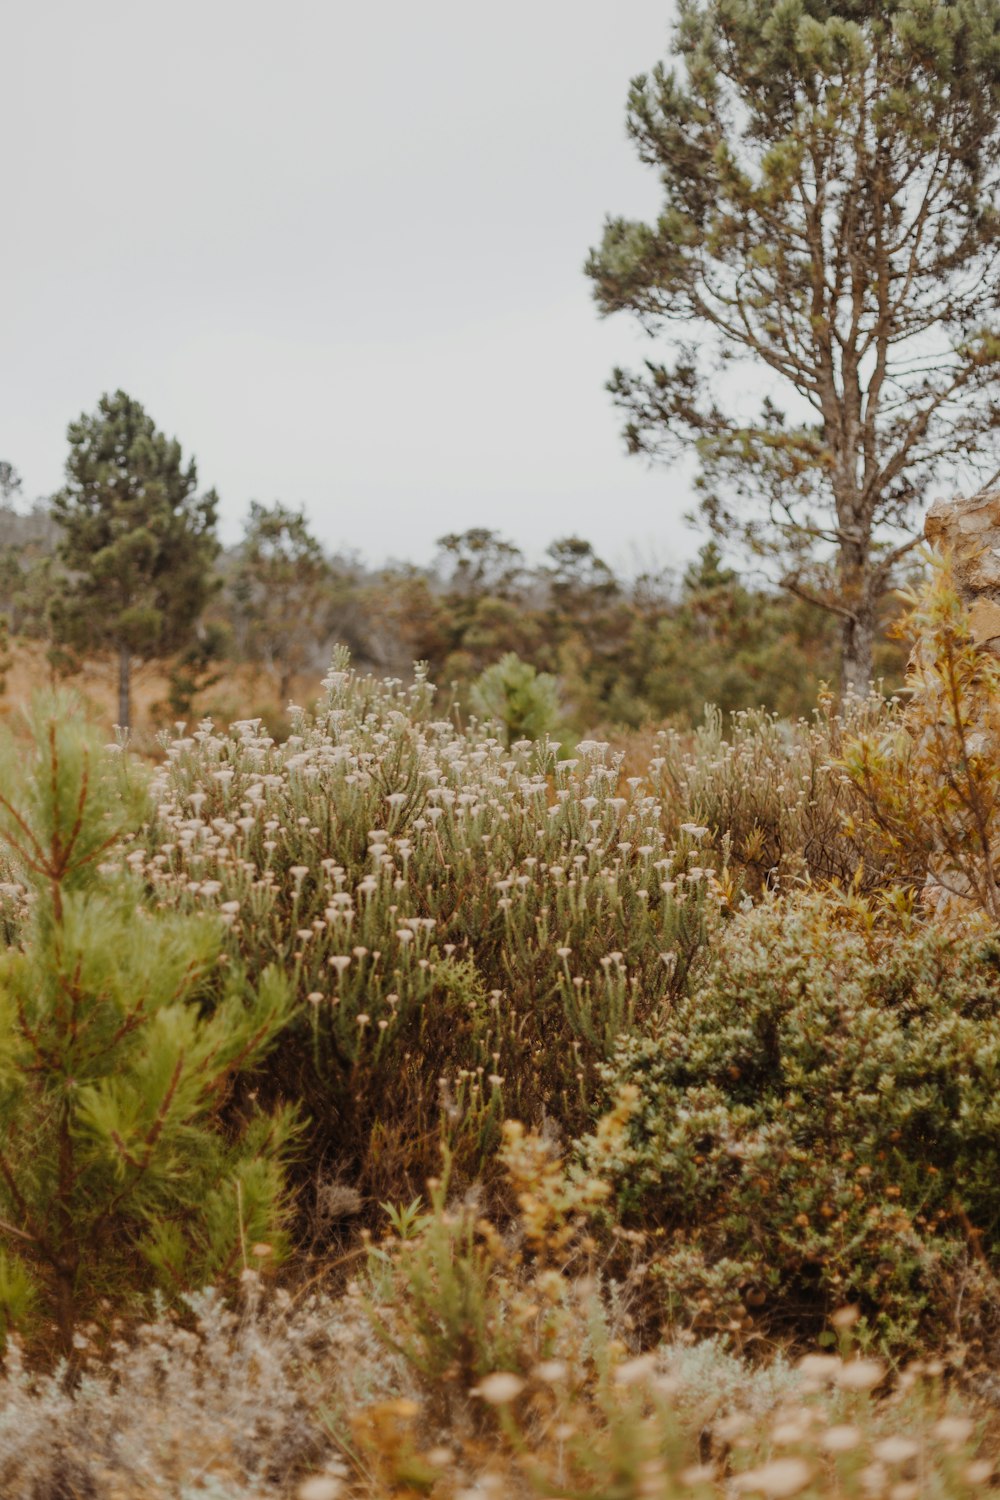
x,y
817,1123
776,797
469,929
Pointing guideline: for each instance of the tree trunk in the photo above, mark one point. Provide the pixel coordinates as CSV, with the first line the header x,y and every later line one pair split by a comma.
x,y
858,594
857,653
124,686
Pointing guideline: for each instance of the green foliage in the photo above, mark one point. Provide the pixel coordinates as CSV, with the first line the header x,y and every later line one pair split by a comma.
x,y
730,646
120,1040
196,669
10,484
442,1275
513,695
623,652
817,1125
829,174
479,561
6,660
136,539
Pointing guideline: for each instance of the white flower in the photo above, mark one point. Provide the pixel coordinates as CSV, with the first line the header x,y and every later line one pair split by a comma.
x,y
953,1430
635,1371
697,1474
319,1487
979,1472
860,1375
819,1366
843,1438
896,1450
778,1480
500,1388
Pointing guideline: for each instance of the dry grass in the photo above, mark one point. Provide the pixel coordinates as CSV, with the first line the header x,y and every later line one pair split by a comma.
x,y
243,689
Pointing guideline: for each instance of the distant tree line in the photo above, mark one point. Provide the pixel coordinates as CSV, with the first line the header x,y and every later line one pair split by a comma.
x,y
124,562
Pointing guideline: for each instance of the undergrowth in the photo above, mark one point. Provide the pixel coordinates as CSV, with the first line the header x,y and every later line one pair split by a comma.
x,y
544,1124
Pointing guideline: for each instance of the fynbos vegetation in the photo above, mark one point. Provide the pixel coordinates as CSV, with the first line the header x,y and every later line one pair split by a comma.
x,y
513,1074
521,1105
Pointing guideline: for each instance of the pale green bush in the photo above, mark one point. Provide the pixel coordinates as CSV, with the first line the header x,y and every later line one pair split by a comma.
x,y
516,696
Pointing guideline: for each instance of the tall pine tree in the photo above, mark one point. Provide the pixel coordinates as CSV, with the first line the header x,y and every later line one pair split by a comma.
x,y
137,540
830,172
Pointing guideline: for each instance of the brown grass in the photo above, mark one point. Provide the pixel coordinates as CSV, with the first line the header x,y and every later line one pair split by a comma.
x,y
243,691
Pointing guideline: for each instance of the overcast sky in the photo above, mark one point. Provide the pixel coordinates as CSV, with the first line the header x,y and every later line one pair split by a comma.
x,y
335,248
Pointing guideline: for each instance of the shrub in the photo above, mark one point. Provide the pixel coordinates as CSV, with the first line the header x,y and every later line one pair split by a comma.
x,y
818,1124
218,1402
119,1042
928,783
459,1301
468,929
519,1346
514,695
775,797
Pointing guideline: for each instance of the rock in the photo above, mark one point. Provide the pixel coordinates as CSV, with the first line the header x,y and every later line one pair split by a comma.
x,y
984,620
969,531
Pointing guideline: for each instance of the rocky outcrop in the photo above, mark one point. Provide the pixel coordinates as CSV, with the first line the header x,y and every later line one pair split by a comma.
x,y
969,530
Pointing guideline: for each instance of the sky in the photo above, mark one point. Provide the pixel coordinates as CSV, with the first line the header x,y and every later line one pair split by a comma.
x,y
336,249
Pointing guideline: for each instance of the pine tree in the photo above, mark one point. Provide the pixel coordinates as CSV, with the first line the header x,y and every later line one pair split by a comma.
x,y
139,543
281,589
830,171
121,1034
522,701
